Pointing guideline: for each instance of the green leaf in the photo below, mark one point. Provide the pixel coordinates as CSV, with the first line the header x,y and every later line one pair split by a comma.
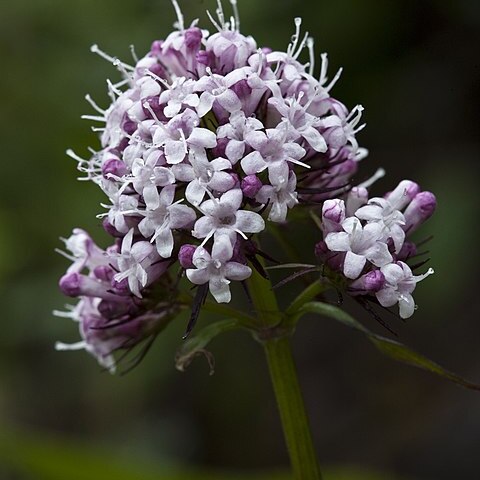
x,y
390,348
195,345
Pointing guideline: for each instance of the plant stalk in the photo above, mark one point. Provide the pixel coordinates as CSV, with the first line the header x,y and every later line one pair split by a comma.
x,y
283,374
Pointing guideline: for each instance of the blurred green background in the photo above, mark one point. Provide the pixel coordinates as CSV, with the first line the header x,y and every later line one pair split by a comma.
x,y
414,65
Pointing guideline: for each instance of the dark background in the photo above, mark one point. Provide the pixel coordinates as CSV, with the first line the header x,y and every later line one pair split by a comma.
x,y
415,67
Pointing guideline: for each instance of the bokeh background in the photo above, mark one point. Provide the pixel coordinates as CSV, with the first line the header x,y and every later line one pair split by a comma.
x,y
414,65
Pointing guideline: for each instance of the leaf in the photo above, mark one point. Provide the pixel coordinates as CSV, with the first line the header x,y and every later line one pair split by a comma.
x,y
390,348
195,345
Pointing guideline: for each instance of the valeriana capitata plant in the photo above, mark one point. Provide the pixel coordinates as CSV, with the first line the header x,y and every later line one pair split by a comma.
x,y
208,142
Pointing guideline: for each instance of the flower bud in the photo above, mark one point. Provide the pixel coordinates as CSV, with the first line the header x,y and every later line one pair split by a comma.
x,y
114,167
75,285
185,255
110,229
409,249
356,198
403,194
420,209
371,282
333,214
251,185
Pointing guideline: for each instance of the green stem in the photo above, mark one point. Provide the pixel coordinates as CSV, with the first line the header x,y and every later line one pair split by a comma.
x,y
283,373
292,410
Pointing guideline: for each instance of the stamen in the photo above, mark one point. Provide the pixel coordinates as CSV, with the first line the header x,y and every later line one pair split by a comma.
x,y
90,100
293,46
334,80
94,118
60,346
214,23
113,90
380,173
94,49
180,24
133,53
323,69
121,68
158,79
311,54
301,46
220,14
76,157
236,15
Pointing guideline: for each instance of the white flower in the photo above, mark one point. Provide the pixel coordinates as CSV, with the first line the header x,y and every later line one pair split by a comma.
x,y
180,93
217,270
272,151
300,123
133,262
360,244
391,220
122,206
202,175
236,130
400,283
217,88
280,194
147,176
223,217
162,217
181,133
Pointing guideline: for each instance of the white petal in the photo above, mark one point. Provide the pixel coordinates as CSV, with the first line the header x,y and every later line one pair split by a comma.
x,y
164,242
222,249
353,265
387,297
181,216
338,241
205,105
202,137
151,196
237,271
220,289
198,277
232,199
315,139
174,151
253,163
378,254
203,227
235,150
406,305
221,182
249,222
195,192
229,101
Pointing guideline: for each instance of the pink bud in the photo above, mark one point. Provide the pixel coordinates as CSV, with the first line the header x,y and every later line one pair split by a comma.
x,y
420,209
251,185
185,255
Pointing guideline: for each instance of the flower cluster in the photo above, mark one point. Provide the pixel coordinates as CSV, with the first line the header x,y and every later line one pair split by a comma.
x,y
366,240
207,139
110,314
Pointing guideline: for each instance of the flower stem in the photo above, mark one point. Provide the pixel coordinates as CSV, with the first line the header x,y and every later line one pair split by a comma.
x,y
284,379
292,410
